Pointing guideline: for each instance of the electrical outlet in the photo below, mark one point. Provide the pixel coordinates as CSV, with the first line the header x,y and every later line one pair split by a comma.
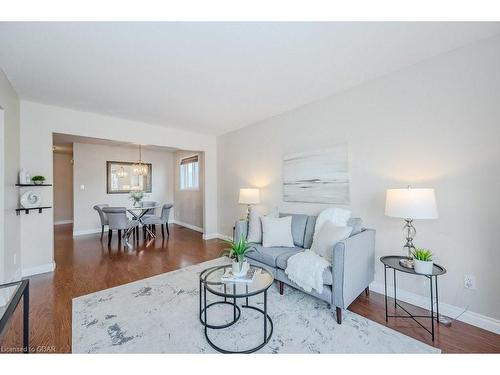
x,y
470,282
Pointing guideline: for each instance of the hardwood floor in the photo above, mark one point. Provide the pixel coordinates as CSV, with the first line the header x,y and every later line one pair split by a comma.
x,y
86,265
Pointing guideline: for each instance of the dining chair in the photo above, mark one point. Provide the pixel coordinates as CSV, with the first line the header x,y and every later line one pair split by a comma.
x,y
118,220
149,204
102,216
161,220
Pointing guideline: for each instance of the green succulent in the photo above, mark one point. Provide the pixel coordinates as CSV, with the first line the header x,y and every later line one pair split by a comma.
x,y
422,254
238,249
38,178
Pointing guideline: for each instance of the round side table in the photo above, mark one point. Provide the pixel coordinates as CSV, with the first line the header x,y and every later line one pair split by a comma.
x,y
392,262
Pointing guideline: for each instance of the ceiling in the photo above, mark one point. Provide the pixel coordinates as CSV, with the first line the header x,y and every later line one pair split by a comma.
x,y
212,77
63,143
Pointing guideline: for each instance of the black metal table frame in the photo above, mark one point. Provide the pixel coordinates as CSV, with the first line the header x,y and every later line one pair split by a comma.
x,y
236,310
410,315
24,292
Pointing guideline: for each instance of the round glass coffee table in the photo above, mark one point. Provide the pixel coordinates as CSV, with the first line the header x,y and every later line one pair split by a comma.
x,y
230,292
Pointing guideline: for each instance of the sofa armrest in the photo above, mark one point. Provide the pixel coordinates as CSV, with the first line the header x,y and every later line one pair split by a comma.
x,y
353,267
240,228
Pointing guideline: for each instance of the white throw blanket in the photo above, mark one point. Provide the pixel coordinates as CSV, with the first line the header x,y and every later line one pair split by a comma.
x,y
306,270
337,216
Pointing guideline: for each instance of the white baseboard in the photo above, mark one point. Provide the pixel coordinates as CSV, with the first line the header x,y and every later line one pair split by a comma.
x,y
210,236
86,231
469,317
189,226
224,237
61,222
216,235
44,268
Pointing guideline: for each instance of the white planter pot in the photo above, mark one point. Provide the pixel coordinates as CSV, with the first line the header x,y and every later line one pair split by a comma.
x,y
239,269
423,267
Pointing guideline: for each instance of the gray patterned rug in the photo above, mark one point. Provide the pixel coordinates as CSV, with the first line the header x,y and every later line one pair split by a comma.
x,y
160,315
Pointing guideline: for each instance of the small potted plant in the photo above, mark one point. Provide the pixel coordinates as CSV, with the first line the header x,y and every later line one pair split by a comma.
x,y
136,196
237,251
422,261
38,180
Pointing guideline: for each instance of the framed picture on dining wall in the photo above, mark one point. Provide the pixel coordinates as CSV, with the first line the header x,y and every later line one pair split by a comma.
x,y
122,178
317,176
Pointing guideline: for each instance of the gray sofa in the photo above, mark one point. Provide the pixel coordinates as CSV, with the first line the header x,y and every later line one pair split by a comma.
x,y
352,268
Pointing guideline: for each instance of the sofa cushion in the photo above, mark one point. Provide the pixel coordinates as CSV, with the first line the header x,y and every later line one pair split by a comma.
x,y
308,236
270,255
282,261
298,228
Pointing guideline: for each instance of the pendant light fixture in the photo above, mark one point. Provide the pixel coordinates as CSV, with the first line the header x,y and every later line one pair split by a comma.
x,y
139,168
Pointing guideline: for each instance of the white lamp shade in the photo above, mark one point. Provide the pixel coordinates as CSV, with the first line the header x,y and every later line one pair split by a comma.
x,y
411,203
249,196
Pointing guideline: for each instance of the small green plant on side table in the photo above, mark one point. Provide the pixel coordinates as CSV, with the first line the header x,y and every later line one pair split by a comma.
x,y
422,260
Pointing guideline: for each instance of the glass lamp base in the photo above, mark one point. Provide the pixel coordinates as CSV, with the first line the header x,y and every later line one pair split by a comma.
x,y
405,262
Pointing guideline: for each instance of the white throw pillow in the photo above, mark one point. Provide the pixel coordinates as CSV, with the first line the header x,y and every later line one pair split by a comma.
x,y
327,237
277,231
337,216
255,225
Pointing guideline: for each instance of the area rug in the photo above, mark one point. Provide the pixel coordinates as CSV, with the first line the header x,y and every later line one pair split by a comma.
x,y
160,315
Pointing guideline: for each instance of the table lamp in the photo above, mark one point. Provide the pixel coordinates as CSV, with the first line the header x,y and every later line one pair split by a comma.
x,y
410,204
249,196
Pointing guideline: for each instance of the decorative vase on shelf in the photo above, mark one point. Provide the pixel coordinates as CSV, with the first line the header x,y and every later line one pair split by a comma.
x,y
22,176
240,268
423,267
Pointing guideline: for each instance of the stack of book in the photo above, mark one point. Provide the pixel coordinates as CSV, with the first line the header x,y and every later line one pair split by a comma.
x,y
229,277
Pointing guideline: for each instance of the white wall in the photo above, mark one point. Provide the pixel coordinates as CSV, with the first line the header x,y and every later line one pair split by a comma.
x,y
39,121
63,187
188,204
90,170
435,124
10,256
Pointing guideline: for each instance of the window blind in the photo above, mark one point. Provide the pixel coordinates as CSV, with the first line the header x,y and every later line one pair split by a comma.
x,y
189,160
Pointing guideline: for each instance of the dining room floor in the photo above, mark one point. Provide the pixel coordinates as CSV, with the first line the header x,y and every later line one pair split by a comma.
x,y
84,265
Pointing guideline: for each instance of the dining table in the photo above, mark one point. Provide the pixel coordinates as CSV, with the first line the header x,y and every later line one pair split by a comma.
x,y
138,213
